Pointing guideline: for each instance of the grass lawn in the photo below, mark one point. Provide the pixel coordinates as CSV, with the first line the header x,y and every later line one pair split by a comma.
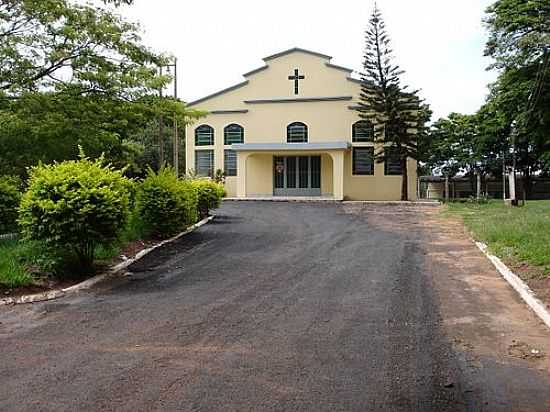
x,y
519,234
13,272
16,257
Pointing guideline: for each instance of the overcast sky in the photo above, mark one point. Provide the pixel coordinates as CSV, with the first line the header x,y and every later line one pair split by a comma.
x,y
439,43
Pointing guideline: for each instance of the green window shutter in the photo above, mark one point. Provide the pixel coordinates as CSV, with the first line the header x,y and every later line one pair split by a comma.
x,y
230,162
392,165
204,162
362,131
296,133
363,160
233,133
204,135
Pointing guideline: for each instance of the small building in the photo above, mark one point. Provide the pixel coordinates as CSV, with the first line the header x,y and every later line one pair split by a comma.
x,y
292,129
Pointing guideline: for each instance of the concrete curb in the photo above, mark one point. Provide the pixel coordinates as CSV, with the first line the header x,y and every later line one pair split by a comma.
x,y
58,293
307,199
519,285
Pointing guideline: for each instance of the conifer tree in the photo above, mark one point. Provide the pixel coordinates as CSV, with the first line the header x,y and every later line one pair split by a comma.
x,y
387,104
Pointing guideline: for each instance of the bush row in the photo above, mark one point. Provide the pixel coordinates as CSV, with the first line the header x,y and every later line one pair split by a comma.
x,y
75,207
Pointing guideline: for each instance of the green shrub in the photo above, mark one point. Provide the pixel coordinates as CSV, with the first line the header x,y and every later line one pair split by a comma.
x,y
10,196
210,195
75,206
166,204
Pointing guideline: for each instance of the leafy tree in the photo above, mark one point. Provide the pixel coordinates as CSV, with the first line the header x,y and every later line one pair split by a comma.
x,y
52,43
520,44
75,75
519,32
49,127
385,102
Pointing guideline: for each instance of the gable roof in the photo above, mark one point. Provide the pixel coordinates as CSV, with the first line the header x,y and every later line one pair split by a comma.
x,y
275,56
296,49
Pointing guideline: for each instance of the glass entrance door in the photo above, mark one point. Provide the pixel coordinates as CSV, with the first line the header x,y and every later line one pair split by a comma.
x,y
297,176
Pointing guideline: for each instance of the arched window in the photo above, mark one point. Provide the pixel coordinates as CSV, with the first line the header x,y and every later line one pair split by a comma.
x,y
204,135
233,133
362,131
296,133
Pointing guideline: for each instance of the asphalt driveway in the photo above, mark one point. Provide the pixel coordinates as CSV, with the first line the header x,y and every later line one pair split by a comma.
x,y
286,306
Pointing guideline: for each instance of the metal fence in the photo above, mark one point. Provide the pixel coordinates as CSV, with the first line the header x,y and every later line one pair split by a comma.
x,y
433,187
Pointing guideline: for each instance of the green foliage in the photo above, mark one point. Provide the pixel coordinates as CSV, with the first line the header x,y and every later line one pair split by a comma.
x,y
40,38
219,176
10,197
210,195
74,207
519,32
515,120
483,199
166,204
519,43
49,127
394,111
75,74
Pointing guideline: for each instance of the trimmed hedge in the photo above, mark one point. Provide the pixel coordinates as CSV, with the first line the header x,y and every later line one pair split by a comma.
x,y
75,206
166,204
210,195
10,196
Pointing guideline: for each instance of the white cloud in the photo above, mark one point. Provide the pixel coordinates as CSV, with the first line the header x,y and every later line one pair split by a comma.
x,y
438,42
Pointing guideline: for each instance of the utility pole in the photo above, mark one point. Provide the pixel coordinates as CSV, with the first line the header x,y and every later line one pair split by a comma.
x,y
175,160
161,130
176,137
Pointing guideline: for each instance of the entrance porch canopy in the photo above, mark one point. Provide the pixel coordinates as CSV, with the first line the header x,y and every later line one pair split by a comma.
x,y
335,150
292,147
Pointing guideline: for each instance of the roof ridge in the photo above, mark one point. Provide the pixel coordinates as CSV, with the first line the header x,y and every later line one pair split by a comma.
x,y
296,49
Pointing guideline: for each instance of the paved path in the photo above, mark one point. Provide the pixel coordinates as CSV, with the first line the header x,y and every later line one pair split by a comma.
x,y
287,306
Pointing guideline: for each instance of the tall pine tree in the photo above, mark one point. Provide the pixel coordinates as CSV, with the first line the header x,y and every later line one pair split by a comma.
x,y
392,109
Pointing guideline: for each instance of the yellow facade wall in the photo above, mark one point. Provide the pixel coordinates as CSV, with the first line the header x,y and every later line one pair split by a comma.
x,y
326,175
327,121
259,175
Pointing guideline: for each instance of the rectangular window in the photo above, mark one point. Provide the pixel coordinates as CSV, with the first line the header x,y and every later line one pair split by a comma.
x,y
363,131
233,135
204,136
230,162
363,160
392,165
204,162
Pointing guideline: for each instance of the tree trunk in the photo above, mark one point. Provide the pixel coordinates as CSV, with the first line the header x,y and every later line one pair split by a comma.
x,y
478,184
405,180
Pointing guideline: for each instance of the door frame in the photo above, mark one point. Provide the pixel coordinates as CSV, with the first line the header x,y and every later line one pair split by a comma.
x,y
296,191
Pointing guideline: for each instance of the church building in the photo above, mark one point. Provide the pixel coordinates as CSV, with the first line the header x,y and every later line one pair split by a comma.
x,y
292,129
